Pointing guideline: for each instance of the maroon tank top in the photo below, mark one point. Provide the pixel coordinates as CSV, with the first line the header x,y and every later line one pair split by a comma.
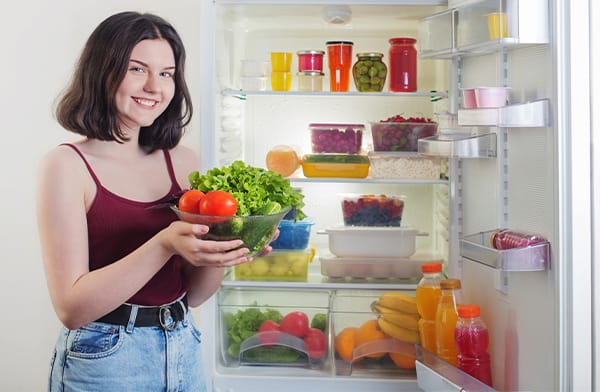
x,y
117,226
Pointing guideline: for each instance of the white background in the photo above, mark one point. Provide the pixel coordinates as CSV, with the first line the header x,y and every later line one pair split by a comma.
x,y
41,41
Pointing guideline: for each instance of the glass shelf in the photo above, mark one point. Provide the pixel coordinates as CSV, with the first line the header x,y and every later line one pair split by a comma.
x,y
530,258
459,145
243,94
367,180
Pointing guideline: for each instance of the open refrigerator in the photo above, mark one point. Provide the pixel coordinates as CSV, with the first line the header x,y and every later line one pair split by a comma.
x,y
504,167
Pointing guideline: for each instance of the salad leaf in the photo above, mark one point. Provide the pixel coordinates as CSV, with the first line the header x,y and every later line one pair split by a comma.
x,y
244,324
255,189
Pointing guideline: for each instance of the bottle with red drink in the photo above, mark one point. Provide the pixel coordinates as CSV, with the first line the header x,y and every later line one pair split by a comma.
x,y
472,341
508,239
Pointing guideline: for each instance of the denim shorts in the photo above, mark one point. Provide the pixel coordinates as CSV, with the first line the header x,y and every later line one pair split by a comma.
x,y
105,358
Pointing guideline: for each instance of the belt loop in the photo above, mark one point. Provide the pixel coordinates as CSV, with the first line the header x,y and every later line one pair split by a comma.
x,y
132,317
185,315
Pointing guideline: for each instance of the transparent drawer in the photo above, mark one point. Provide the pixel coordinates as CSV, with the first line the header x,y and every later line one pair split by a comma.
x,y
360,346
243,342
459,145
436,34
477,247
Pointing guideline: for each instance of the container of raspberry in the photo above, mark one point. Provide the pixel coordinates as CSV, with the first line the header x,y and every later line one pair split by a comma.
x,y
372,210
398,133
336,138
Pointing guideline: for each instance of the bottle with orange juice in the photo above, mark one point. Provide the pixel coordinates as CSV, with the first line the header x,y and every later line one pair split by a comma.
x,y
445,320
428,297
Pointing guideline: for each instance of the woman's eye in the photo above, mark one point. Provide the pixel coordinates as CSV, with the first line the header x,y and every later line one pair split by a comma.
x,y
136,69
167,74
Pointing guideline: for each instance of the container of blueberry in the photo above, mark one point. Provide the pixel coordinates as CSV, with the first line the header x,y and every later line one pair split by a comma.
x,y
372,210
293,235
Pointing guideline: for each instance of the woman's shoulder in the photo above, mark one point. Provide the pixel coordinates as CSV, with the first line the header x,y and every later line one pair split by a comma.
x,y
61,156
185,160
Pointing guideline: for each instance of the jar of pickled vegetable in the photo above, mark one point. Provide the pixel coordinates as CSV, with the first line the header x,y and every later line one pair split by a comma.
x,y
369,72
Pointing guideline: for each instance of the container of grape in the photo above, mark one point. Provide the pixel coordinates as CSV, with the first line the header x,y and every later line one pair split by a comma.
x,y
372,210
336,138
398,133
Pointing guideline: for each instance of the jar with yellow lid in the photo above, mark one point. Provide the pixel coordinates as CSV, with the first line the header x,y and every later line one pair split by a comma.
x,y
369,72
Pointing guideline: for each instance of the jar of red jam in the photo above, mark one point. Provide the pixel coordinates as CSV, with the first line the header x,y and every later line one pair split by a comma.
x,y
310,60
403,65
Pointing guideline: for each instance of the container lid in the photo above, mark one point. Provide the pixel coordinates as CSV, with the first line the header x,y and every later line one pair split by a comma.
x,y
370,54
311,52
447,284
334,125
429,268
289,222
468,311
402,40
310,73
374,229
339,43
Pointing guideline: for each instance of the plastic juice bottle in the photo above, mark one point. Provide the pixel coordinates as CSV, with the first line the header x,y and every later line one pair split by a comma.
x,y
445,321
472,340
428,297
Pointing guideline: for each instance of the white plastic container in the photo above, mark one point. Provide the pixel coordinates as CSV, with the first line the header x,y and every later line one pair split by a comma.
x,y
254,83
359,241
491,97
370,267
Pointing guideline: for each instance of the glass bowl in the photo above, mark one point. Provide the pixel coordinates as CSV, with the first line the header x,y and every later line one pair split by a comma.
x,y
255,230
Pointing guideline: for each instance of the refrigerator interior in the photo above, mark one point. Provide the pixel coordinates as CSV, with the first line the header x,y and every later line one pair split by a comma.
x,y
517,189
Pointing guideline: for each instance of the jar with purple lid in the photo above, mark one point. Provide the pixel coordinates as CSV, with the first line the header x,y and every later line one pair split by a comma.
x,y
310,60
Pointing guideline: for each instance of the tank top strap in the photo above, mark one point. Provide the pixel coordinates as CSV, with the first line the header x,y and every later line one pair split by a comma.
x,y
89,167
174,183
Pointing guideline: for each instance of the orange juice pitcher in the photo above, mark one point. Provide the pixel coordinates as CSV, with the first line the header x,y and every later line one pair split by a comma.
x,y
445,321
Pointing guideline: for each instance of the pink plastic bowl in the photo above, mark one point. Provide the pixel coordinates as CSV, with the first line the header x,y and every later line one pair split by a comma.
x,y
491,97
469,101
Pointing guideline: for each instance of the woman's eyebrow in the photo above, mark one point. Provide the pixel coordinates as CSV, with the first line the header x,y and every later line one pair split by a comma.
x,y
146,65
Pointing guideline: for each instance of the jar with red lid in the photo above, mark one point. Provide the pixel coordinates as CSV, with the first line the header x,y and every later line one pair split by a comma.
x,y
403,65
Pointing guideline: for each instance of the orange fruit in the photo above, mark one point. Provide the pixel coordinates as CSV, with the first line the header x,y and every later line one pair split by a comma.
x,y
345,342
404,360
283,160
368,332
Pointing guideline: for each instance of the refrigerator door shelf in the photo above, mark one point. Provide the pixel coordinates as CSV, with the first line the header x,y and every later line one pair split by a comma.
x,y
459,145
435,374
525,115
531,258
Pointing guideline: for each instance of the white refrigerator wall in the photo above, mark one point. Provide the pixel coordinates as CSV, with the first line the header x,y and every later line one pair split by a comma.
x,y
40,44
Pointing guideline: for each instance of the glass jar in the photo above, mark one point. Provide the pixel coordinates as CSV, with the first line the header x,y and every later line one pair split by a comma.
x,y
369,72
310,60
310,81
403,65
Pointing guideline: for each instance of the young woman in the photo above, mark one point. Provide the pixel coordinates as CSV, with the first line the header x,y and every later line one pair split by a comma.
x,y
121,271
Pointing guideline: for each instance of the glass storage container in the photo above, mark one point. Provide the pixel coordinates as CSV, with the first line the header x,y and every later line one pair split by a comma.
x,y
369,72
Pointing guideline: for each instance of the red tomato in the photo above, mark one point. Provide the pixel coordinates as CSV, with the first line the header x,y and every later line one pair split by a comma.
x,y
316,343
294,323
188,202
218,203
268,333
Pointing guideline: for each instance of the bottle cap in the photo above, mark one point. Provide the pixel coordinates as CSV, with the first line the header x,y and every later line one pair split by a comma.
x,y
468,311
448,284
429,268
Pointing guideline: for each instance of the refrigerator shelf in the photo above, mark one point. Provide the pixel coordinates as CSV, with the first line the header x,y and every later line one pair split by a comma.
x,y
524,115
242,94
368,180
459,145
531,258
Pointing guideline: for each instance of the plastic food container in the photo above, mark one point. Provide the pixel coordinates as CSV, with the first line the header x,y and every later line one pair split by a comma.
x,y
491,97
335,165
310,60
254,83
336,138
279,265
406,165
281,81
310,81
400,136
357,241
293,235
372,210
469,100
369,267
253,68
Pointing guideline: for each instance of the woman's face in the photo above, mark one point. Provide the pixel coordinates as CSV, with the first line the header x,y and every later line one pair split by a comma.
x,y
148,86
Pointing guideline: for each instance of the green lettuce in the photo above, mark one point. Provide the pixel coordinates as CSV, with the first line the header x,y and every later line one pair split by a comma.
x,y
256,190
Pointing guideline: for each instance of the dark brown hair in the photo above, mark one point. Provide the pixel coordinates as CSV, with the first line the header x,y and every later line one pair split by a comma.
x,y
87,106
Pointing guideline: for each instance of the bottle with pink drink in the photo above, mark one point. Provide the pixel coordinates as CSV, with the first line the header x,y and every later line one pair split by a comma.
x,y
472,341
508,239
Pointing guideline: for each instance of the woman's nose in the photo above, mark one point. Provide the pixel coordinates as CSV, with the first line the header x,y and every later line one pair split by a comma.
x,y
152,84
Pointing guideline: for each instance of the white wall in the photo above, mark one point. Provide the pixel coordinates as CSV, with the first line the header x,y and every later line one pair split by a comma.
x,y
40,43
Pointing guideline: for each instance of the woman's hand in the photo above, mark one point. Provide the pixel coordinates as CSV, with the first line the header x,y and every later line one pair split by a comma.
x,y
184,239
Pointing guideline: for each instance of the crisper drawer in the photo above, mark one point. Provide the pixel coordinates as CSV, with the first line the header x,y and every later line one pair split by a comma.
x,y
371,340
247,338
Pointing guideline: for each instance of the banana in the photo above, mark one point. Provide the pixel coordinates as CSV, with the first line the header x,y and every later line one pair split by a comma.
x,y
406,320
397,332
399,301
